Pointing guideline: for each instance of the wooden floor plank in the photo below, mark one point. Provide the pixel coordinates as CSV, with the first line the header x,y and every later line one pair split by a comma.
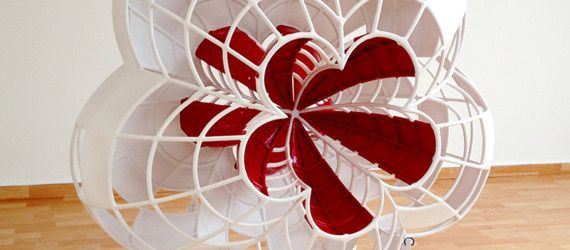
x,y
524,212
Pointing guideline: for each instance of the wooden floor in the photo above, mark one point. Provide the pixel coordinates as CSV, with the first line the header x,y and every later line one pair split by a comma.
x,y
529,212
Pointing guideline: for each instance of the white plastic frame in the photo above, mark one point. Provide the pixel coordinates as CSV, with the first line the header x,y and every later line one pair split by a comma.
x,y
133,115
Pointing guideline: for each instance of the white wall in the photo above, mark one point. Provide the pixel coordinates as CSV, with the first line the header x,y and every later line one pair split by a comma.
x,y
518,52
53,54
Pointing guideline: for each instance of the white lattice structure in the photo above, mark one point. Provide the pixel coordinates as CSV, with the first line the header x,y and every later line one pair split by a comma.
x,y
153,184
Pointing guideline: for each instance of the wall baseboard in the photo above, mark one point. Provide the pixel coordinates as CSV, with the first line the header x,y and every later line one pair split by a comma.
x,y
51,191
37,191
517,170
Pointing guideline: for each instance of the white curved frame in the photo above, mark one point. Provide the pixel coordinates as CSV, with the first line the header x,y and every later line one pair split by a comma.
x,y
146,79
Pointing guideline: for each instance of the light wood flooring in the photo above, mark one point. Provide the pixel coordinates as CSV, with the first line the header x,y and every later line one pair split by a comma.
x,y
522,212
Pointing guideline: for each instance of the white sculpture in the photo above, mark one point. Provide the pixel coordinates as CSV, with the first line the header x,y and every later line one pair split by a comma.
x,y
285,124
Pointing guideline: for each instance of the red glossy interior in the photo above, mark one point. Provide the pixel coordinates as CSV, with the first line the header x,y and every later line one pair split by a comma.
x,y
249,48
242,43
376,58
333,207
301,58
397,145
263,148
279,74
194,118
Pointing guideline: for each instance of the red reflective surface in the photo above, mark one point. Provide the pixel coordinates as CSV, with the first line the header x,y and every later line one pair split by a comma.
x,y
195,117
399,146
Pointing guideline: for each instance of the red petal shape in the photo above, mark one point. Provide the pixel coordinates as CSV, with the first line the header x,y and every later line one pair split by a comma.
x,y
279,74
399,146
375,58
260,152
286,30
333,207
242,43
279,82
194,118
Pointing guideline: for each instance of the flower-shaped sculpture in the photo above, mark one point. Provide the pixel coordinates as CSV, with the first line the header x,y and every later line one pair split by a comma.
x,y
399,146
283,124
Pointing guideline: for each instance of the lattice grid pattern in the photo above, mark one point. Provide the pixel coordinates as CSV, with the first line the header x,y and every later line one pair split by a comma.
x,y
154,179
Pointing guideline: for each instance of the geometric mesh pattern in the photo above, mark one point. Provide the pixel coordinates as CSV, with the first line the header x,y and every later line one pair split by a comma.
x,y
307,124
